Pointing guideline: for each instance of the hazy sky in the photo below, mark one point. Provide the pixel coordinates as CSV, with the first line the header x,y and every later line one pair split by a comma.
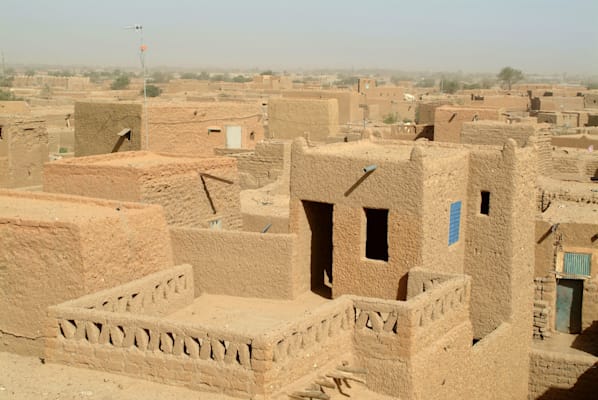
x,y
468,35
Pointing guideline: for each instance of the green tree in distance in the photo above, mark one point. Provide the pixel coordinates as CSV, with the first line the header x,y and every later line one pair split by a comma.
x,y
152,91
122,82
509,75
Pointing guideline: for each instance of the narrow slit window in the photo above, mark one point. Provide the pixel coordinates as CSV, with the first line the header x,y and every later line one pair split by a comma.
x,y
0,132
376,240
485,204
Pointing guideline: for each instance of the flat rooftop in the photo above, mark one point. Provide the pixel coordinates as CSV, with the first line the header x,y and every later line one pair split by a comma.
x,y
51,208
141,160
246,316
571,212
384,151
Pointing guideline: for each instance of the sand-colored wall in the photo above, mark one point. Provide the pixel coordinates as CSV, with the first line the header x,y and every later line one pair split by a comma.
x,y
242,264
444,182
23,152
560,376
98,125
290,118
510,103
51,256
192,191
401,186
14,107
499,245
579,141
576,237
269,162
348,102
448,120
497,132
554,103
183,127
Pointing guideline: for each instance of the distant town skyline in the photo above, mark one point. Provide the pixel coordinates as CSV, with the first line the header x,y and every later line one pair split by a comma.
x,y
536,36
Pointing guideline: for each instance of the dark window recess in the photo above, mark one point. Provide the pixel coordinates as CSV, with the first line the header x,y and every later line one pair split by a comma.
x,y
485,205
376,240
0,132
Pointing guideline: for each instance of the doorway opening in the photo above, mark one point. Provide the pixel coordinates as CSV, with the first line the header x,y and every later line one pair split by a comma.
x,y
569,297
319,218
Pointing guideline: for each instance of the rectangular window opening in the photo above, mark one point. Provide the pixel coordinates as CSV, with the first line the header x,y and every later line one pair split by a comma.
x,y
485,204
376,239
454,223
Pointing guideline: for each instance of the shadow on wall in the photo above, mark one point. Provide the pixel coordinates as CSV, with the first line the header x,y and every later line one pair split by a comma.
x,y
586,387
587,341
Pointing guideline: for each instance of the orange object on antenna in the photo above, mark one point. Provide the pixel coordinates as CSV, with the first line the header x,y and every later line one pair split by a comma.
x,y
143,48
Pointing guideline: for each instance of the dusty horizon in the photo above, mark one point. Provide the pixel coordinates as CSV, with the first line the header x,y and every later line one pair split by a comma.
x,y
537,37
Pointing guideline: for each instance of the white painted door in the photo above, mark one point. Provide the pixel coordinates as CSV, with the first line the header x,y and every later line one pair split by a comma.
x,y
233,137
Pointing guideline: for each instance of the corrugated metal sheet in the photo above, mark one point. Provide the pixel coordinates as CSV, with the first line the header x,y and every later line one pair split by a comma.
x,y
454,222
577,263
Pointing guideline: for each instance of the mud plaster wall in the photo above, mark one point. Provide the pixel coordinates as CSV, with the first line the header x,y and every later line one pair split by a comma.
x,y
554,103
404,110
290,118
69,259
242,264
14,107
23,152
348,102
578,141
398,186
98,125
270,161
576,238
176,186
449,120
499,245
558,376
445,182
511,103
457,365
574,161
497,132
183,127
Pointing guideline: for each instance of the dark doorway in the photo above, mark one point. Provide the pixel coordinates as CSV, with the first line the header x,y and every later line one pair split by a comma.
x,y
319,217
569,293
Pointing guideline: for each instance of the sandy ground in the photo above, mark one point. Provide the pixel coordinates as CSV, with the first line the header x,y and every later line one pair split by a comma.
x,y
26,378
586,344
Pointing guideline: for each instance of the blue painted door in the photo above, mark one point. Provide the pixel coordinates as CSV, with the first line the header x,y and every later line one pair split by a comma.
x,y
569,294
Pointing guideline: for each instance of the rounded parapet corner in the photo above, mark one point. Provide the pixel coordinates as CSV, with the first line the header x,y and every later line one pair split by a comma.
x,y
300,144
508,150
417,153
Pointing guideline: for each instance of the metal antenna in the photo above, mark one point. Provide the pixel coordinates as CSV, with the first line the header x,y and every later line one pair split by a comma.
x,y
142,49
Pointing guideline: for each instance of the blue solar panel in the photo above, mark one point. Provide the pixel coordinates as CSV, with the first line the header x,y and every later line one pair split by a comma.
x,y
454,222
